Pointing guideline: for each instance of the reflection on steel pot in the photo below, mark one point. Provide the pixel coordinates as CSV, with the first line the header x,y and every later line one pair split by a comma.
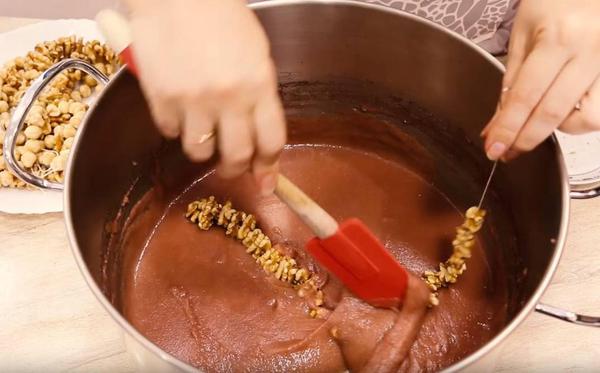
x,y
328,51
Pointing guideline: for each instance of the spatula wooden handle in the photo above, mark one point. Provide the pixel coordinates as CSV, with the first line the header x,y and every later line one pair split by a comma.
x,y
313,215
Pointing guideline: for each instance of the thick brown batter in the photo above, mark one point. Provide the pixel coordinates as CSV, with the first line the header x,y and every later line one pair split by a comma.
x,y
200,297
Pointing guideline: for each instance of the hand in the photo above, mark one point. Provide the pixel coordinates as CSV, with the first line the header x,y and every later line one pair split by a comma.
x,y
552,76
205,66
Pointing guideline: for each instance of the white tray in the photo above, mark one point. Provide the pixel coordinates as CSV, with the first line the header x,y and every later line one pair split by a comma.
x,y
581,152
17,43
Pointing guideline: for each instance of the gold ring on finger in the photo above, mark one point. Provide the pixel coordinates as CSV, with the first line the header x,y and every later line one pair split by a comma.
x,y
207,136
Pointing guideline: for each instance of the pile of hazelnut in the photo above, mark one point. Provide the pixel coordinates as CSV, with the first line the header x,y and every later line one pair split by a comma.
x,y
46,138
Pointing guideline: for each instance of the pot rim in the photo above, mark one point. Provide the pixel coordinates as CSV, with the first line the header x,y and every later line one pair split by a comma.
x,y
461,364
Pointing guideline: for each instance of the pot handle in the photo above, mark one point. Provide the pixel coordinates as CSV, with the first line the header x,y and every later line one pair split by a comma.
x,y
583,186
568,316
20,113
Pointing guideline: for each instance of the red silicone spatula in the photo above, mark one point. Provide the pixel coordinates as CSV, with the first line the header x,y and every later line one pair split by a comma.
x,y
348,250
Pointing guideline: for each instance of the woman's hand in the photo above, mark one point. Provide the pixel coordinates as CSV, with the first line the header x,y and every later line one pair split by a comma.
x,y
552,76
205,66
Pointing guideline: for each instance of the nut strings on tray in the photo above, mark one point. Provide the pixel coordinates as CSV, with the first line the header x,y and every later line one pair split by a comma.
x,y
44,143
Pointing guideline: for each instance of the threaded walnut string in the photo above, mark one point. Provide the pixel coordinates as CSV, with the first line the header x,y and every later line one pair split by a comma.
x,y
242,226
456,265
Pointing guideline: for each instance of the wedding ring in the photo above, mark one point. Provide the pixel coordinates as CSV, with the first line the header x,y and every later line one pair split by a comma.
x,y
501,101
207,136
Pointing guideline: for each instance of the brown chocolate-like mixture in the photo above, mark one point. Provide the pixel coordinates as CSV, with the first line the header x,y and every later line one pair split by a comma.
x,y
200,297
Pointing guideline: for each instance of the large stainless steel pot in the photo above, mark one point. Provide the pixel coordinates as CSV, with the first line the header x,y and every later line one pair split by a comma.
x,y
323,41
